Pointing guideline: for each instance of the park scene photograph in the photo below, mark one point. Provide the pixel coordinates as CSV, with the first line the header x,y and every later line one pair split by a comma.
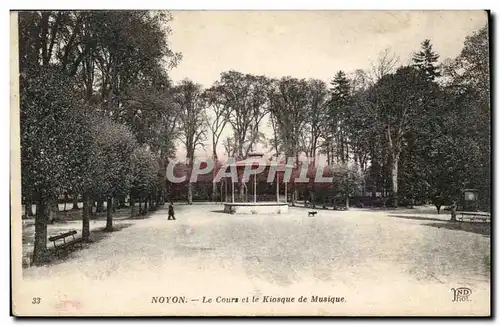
x,y
250,163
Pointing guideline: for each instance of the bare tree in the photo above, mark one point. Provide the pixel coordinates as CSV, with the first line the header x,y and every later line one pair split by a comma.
x,y
229,146
275,140
216,116
317,93
289,104
385,64
191,105
245,96
216,119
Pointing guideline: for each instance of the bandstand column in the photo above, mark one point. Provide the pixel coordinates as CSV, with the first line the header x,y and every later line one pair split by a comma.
x,y
277,190
232,190
254,188
286,198
225,190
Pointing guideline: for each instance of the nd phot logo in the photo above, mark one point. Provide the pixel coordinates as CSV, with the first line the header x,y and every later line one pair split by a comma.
x,y
461,294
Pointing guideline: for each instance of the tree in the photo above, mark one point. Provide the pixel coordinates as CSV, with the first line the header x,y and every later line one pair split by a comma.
x,y
230,147
245,96
318,113
462,147
384,65
426,61
289,104
398,99
471,68
153,118
191,104
143,169
216,117
338,113
275,141
75,65
361,128
55,143
347,179
114,144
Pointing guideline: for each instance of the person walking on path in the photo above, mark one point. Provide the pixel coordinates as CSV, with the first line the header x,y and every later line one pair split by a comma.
x,y
171,211
454,211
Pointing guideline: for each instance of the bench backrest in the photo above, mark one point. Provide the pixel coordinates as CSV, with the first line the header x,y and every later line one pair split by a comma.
x,y
484,214
62,235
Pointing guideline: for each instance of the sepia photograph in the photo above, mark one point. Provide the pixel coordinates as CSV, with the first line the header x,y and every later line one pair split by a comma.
x,y
250,163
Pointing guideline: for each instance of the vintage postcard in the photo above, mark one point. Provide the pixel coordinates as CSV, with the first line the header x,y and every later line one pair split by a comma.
x,y
250,163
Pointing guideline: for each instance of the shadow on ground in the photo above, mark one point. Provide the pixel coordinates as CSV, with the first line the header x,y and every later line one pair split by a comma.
x,y
473,227
142,216
422,218
56,256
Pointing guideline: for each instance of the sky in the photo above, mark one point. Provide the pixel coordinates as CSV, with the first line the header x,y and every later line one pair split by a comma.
x,y
308,44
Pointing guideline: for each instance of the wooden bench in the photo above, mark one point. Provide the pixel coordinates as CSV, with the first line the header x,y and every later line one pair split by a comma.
x,y
473,216
311,213
63,237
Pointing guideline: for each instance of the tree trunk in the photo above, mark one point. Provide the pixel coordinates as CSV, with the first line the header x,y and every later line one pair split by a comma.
x,y
65,201
145,206
52,209
224,182
109,214
347,202
190,193
140,207
214,192
121,202
40,245
342,157
157,198
346,150
75,203
312,197
131,203
100,206
394,172
87,210
162,196
454,212
115,202
28,209
241,191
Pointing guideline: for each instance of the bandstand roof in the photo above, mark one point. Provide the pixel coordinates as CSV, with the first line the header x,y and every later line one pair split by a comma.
x,y
255,159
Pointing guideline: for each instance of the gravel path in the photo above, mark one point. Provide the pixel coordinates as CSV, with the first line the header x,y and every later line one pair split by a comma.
x,y
381,262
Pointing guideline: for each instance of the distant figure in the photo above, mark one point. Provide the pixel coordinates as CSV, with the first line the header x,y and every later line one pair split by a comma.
x,y
171,211
438,202
454,211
